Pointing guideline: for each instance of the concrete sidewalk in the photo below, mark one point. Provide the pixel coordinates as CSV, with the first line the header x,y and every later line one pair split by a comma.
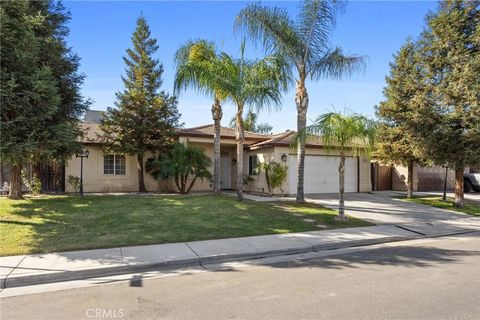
x,y
43,268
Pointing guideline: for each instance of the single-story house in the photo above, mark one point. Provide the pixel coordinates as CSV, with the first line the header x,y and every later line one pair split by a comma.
x,y
118,173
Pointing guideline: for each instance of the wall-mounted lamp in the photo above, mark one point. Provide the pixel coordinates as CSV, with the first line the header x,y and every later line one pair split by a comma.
x,y
234,161
284,157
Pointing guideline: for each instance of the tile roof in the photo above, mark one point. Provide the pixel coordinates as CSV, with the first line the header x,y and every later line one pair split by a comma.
x,y
285,139
91,132
207,131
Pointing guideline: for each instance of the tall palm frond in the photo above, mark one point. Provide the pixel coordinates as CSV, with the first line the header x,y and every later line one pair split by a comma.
x,y
338,131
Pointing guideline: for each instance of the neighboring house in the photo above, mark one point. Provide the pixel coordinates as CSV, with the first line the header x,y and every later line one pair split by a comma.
x,y
118,173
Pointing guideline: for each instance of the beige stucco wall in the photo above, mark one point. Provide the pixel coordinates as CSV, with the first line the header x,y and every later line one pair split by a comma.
x,y
93,178
96,181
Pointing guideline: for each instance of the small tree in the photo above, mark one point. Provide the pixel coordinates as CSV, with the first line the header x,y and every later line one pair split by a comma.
x,y
182,162
275,174
145,118
341,132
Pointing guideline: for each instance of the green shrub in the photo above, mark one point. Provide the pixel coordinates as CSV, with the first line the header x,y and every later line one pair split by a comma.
x,y
33,185
74,181
275,174
182,162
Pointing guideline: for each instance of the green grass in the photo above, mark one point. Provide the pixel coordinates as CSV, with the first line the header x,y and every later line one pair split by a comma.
x,y
470,208
63,223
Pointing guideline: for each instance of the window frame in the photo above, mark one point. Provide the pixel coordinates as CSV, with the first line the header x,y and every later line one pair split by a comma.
x,y
116,164
252,163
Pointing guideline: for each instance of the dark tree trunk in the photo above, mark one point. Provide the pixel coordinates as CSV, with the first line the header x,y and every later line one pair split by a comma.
x,y
301,100
459,198
341,183
240,137
217,117
141,181
191,184
410,180
16,182
267,178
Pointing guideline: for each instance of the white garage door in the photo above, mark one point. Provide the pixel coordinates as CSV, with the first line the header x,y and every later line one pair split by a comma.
x,y
321,174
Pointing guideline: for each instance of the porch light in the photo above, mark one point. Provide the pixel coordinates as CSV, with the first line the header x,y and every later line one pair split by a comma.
x,y
284,157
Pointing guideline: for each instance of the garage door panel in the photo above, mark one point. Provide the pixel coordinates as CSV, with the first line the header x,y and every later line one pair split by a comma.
x,y
321,174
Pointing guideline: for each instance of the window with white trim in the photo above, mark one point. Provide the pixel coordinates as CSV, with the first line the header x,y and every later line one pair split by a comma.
x,y
114,164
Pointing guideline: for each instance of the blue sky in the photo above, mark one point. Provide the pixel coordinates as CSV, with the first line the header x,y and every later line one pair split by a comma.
x,y
101,31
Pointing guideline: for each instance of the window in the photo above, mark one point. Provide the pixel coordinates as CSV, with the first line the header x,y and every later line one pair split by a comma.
x,y
252,163
114,164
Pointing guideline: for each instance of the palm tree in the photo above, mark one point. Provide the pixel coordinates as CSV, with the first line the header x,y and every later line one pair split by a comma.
x,y
254,84
342,132
197,66
250,123
305,45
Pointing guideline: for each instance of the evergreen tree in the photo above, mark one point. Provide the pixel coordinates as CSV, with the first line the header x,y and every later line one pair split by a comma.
x,y
38,75
64,64
397,142
145,118
450,119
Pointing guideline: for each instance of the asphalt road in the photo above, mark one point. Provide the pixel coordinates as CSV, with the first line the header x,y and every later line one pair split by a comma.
x,y
423,279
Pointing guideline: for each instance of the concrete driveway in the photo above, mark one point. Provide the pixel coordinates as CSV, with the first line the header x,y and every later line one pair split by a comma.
x,y
383,208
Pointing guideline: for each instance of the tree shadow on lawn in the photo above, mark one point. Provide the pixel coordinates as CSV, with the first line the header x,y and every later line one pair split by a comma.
x,y
54,224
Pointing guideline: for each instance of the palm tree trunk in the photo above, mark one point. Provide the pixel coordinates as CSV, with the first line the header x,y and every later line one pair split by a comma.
x,y
301,100
240,137
15,191
217,117
267,178
410,180
341,180
459,197
141,180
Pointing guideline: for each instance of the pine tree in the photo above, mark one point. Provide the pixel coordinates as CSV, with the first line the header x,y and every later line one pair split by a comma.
x,y
450,120
145,118
397,142
33,125
64,64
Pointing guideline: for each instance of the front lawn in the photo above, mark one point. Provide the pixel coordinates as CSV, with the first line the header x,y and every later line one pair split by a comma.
x,y
470,208
63,223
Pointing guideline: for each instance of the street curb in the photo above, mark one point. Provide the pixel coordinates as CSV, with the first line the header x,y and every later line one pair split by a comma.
x,y
28,280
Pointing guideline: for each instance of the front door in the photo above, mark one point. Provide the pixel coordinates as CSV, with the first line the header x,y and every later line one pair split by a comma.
x,y
225,173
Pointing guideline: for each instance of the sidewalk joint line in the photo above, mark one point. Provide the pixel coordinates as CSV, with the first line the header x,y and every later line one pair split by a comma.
x,y
186,243
404,228
13,269
121,255
248,244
